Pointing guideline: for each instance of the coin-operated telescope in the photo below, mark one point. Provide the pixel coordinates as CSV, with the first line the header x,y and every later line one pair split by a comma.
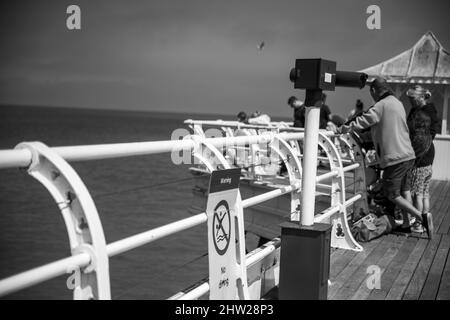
x,y
317,75
300,278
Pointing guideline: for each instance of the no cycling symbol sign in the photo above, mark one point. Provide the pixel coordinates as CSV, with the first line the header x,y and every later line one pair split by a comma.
x,y
223,192
221,227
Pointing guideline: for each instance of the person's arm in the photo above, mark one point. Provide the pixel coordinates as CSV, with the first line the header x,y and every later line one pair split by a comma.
x,y
368,119
435,123
351,114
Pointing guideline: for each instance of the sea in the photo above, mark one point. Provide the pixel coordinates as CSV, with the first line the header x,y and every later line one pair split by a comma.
x,y
132,195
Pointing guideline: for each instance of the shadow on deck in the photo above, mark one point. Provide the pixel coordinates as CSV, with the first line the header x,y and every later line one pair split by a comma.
x,y
412,267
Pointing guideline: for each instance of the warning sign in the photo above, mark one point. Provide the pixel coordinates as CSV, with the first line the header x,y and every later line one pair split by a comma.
x,y
221,211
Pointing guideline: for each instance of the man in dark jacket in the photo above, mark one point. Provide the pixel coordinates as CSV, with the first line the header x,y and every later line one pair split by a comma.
x,y
299,111
325,113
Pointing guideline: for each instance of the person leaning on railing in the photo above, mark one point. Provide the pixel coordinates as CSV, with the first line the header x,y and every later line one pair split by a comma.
x,y
299,111
389,129
242,117
258,118
356,112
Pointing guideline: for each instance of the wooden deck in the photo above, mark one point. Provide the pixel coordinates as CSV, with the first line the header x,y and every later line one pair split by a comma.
x,y
412,267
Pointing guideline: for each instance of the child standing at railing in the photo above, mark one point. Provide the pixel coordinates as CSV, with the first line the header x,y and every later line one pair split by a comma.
x,y
422,124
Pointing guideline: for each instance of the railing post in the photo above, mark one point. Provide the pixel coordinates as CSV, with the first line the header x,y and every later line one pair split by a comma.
x,y
310,165
304,266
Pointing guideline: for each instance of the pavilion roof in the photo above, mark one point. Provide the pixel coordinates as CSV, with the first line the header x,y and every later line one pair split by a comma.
x,y
426,62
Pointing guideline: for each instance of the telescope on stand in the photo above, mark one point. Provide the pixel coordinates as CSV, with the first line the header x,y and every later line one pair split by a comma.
x,y
317,75
305,258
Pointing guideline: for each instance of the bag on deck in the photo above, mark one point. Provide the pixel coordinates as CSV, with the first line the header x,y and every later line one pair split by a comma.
x,y
371,227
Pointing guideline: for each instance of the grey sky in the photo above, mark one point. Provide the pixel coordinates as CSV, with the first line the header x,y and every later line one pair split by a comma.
x,y
196,56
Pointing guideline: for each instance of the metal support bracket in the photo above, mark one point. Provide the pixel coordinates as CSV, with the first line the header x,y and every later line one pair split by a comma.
x,y
80,216
341,236
360,207
294,169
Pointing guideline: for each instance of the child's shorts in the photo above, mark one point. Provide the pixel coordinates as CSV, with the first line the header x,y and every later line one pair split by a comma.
x,y
421,178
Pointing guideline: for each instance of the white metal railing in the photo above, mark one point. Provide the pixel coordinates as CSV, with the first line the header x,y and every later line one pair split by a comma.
x,y
60,267
22,157
353,155
89,250
278,126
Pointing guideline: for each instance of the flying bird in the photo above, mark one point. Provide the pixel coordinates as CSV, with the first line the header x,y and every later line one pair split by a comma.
x,y
261,46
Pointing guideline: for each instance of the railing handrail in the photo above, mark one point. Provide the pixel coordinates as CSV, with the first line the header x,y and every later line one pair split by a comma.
x,y
442,137
276,126
242,125
22,157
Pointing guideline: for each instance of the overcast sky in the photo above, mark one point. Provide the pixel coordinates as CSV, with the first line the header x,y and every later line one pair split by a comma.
x,y
196,56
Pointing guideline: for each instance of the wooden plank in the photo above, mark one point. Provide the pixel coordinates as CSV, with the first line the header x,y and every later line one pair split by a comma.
x,y
445,225
444,287
438,205
435,192
436,202
439,196
406,278
441,186
390,274
339,260
401,283
414,288
447,183
439,215
363,290
431,286
353,282
345,274
444,185
447,213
